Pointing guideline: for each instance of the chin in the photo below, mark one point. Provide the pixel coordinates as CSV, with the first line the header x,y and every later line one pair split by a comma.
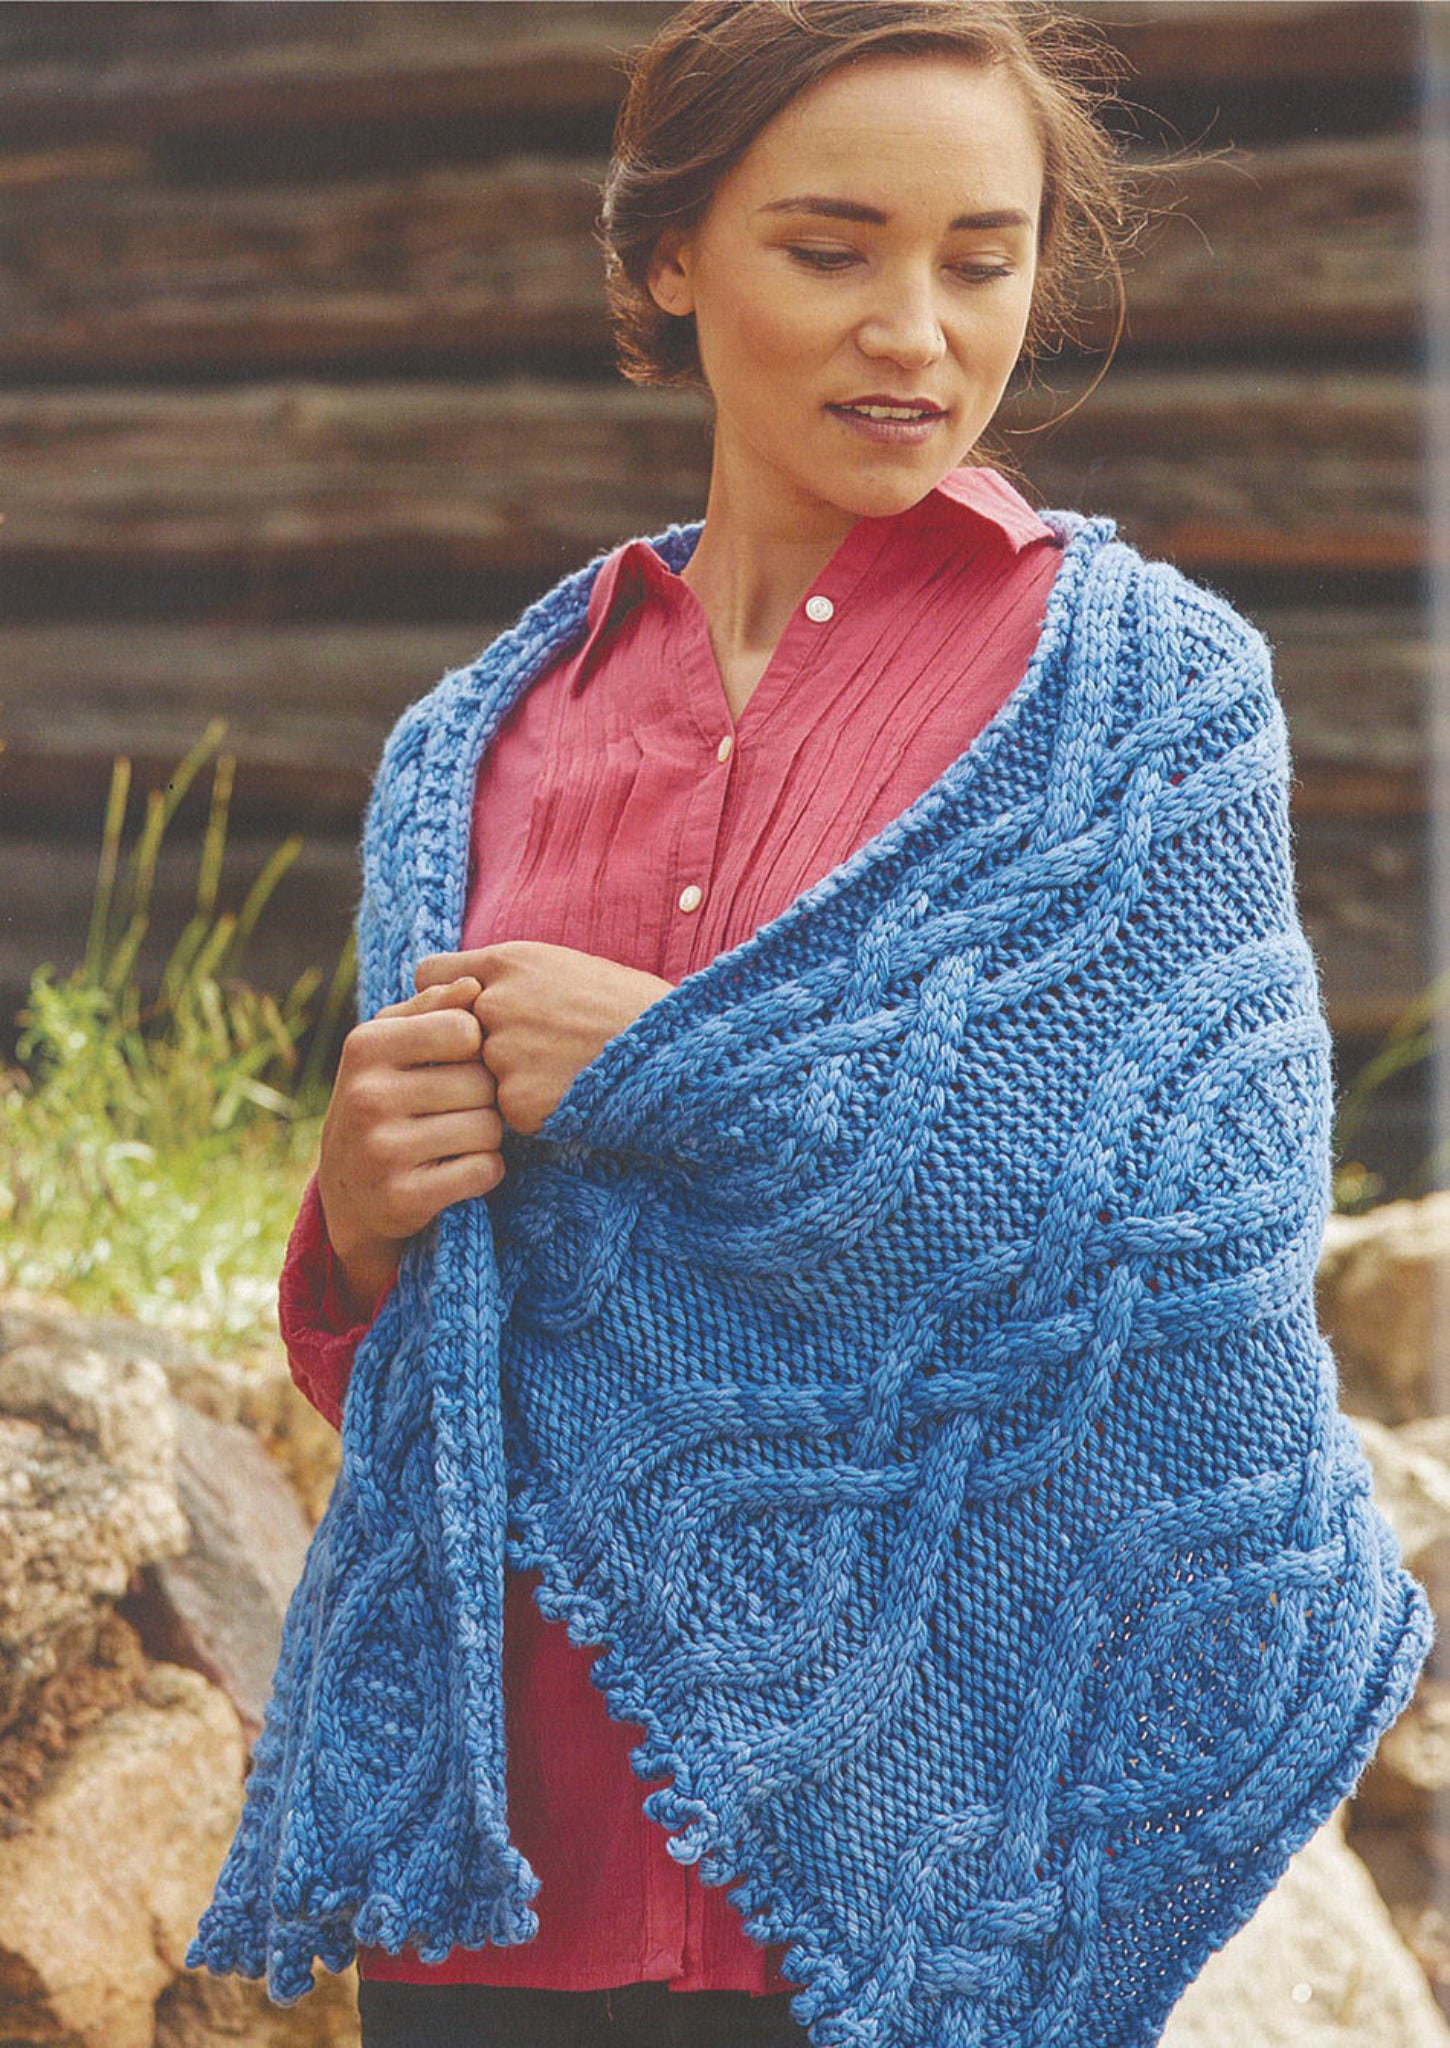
x,y
880,495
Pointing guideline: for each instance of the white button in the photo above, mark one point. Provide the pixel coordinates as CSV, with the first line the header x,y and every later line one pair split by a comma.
x,y
820,609
726,747
690,898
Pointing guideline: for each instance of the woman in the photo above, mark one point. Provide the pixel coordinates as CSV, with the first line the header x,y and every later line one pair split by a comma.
x,y
848,221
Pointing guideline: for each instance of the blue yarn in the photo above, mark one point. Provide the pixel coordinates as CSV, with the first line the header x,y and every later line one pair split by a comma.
x,y
897,1351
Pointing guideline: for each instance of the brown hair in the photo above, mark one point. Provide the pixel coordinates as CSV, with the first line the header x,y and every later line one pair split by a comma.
x,y
719,70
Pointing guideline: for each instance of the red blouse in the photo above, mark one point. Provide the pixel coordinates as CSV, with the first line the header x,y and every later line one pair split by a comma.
x,y
622,811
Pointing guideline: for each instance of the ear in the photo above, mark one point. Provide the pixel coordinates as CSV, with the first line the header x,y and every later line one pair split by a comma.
x,y
669,274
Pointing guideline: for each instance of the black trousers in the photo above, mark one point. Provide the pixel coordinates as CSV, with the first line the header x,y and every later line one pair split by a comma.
x,y
516,2016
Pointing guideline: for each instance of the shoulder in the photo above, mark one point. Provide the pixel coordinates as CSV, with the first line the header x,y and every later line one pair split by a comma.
x,y
1152,600
1178,634
541,629
1222,669
1190,621
422,749
544,630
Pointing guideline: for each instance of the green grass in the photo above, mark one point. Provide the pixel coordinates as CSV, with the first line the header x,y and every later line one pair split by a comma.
x,y
153,1149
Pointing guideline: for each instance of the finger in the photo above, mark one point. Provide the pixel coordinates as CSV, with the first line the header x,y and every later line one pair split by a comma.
x,y
459,993
455,1180
430,1089
441,968
424,1140
446,1033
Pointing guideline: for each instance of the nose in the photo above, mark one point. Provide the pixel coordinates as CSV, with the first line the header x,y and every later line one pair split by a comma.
x,y
904,324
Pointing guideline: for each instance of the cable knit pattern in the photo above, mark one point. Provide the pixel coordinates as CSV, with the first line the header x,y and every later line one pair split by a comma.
x,y
897,1351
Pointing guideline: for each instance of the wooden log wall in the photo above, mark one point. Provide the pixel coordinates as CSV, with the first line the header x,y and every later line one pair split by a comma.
x,y
306,387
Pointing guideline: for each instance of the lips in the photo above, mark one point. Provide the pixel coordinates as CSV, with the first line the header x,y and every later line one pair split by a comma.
x,y
919,408
895,427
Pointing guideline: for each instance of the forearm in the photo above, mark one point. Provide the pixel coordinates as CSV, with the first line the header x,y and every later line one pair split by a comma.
x,y
364,1271
320,1325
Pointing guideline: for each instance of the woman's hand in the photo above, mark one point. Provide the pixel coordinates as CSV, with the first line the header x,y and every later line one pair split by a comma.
x,y
412,1125
545,1012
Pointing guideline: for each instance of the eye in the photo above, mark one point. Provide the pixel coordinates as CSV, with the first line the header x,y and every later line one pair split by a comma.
x,y
836,259
822,259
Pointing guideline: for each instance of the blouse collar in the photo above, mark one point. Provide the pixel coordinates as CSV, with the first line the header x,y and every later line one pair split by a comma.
x,y
968,495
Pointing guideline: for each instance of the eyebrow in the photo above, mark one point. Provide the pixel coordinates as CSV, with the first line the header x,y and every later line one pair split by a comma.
x,y
852,209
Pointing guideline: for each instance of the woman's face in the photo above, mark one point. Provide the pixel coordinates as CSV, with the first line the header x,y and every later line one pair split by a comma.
x,y
834,264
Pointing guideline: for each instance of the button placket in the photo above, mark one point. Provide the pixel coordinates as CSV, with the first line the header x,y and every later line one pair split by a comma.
x,y
692,895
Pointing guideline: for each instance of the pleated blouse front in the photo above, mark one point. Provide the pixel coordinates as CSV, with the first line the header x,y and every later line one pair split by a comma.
x,y
623,811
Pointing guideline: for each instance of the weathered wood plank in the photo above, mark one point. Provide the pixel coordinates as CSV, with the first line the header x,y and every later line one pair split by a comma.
x,y
308,708
1362,890
1221,468
1197,42
176,71
1236,469
1312,244
159,71
461,264
1354,682
502,478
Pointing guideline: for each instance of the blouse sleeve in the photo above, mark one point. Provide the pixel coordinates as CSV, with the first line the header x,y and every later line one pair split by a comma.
x,y
319,1325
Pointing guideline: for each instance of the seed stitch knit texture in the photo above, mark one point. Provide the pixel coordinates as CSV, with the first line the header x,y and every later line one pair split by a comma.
x,y
897,1351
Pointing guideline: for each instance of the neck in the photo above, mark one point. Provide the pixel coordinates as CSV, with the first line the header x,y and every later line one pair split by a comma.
x,y
755,560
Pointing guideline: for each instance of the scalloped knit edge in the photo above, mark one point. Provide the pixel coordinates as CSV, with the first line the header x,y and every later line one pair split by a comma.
x,y
762,1897
759,1896
235,1940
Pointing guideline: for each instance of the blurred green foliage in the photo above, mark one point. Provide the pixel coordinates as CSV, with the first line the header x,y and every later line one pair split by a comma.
x,y
1411,1039
153,1151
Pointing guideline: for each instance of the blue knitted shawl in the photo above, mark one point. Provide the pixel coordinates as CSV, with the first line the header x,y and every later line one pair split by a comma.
x,y
897,1351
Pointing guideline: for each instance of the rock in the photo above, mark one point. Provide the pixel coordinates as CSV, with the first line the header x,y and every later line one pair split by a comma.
x,y
1411,1478
115,1403
202,2011
1319,1963
135,1487
1412,1764
102,1887
253,1387
307,1446
302,1444
115,1340
1379,1287
219,1608
101,1671
1409,1871
87,1494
